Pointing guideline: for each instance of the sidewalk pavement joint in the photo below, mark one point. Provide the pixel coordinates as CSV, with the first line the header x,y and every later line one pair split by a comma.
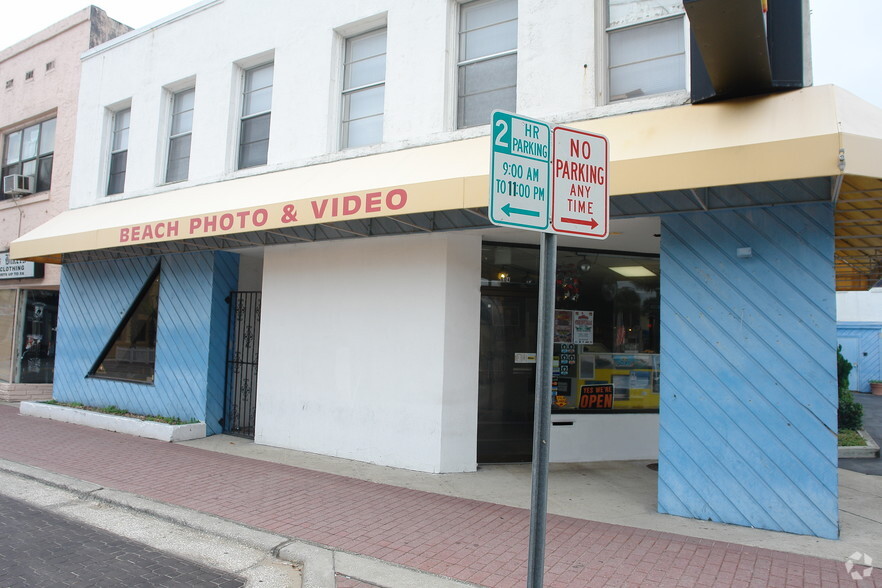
x,y
319,564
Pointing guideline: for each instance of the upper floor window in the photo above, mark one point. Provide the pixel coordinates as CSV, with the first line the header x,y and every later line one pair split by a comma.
x,y
181,129
364,85
119,151
488,61
257,99
28,152
647,53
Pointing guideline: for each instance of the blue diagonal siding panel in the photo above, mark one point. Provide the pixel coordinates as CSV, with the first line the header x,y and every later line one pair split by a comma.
x,y
748,384
190,338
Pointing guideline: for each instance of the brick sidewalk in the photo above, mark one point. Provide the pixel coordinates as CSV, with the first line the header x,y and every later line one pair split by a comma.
x,y
469,540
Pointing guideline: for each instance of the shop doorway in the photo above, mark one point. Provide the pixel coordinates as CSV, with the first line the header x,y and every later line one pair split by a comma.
x,y
606,343
507,376
240,397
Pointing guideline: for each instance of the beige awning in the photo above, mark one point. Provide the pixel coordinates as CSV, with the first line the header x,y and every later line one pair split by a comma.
x,y
814,132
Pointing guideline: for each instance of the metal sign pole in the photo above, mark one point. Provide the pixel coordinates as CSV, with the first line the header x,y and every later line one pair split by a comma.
x,y
542,414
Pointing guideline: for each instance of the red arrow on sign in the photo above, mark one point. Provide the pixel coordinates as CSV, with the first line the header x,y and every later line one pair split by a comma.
x,y
577,221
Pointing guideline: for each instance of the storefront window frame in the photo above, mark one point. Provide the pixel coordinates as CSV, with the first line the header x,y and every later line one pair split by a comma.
x,y
17,341
144,292
587,252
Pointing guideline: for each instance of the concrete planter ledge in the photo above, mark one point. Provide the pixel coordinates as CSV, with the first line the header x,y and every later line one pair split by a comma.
x,y
112,422
870,450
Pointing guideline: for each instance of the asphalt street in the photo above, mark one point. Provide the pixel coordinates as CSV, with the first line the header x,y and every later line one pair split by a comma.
x,y
872,425
40,548
59,531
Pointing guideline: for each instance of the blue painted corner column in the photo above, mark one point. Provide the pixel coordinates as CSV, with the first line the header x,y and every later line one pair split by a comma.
x,y
748,415
191,334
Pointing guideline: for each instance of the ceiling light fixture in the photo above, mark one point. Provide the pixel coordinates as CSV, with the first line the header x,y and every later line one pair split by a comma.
x,y
633,271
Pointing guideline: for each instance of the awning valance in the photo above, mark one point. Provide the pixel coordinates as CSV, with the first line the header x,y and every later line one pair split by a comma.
x,y
814,132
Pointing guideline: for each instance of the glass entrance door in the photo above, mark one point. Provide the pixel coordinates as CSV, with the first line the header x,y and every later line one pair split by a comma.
x,y
507,378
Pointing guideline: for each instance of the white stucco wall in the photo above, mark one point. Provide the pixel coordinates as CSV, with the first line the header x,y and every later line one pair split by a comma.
x,y
859,307
369,350
559,70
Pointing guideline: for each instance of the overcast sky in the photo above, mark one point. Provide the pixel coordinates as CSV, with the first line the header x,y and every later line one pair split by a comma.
x,y
846,43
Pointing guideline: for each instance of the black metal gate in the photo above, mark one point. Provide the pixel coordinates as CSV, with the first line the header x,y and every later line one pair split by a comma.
x,y
242,352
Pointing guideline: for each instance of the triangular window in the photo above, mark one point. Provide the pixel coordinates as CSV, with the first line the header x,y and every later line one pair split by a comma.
x,y
130,355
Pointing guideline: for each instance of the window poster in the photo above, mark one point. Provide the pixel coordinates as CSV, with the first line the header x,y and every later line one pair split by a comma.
x,y
563,326
583,327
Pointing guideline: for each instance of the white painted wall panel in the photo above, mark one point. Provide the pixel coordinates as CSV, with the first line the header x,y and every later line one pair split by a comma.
x,y
353,352
859,307
600,437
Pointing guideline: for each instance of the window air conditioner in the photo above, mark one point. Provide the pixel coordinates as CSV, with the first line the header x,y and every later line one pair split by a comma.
x,y
16,185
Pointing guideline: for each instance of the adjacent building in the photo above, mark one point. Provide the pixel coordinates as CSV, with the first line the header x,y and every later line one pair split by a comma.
x,y
38,108
859,333
279,226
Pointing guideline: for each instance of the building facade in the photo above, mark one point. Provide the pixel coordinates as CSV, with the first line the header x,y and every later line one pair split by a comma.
x,y
286,236
37,122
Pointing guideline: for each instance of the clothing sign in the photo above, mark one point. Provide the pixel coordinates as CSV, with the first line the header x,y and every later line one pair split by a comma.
x,y
11,269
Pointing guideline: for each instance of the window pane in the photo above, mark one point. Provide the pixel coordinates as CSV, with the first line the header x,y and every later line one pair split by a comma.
x,y
647,59
13,147
47,137
13,169
39,317
132,353
368,71
184,101
182,123
258,101
476,109
490,40
29,142
364,103
117,181
364,131
29,167
255,129
178,159
182,112
481,14
259,77
486,76
649,77
254,141
252,154
44,173
121,119
7,335
365,46
121,140
646,42
121,130
486,28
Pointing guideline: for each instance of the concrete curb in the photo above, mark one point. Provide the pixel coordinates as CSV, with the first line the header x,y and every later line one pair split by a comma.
x,y
319,564
112,422
870,450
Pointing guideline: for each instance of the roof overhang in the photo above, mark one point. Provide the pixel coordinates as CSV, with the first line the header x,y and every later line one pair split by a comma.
x,y
692,151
